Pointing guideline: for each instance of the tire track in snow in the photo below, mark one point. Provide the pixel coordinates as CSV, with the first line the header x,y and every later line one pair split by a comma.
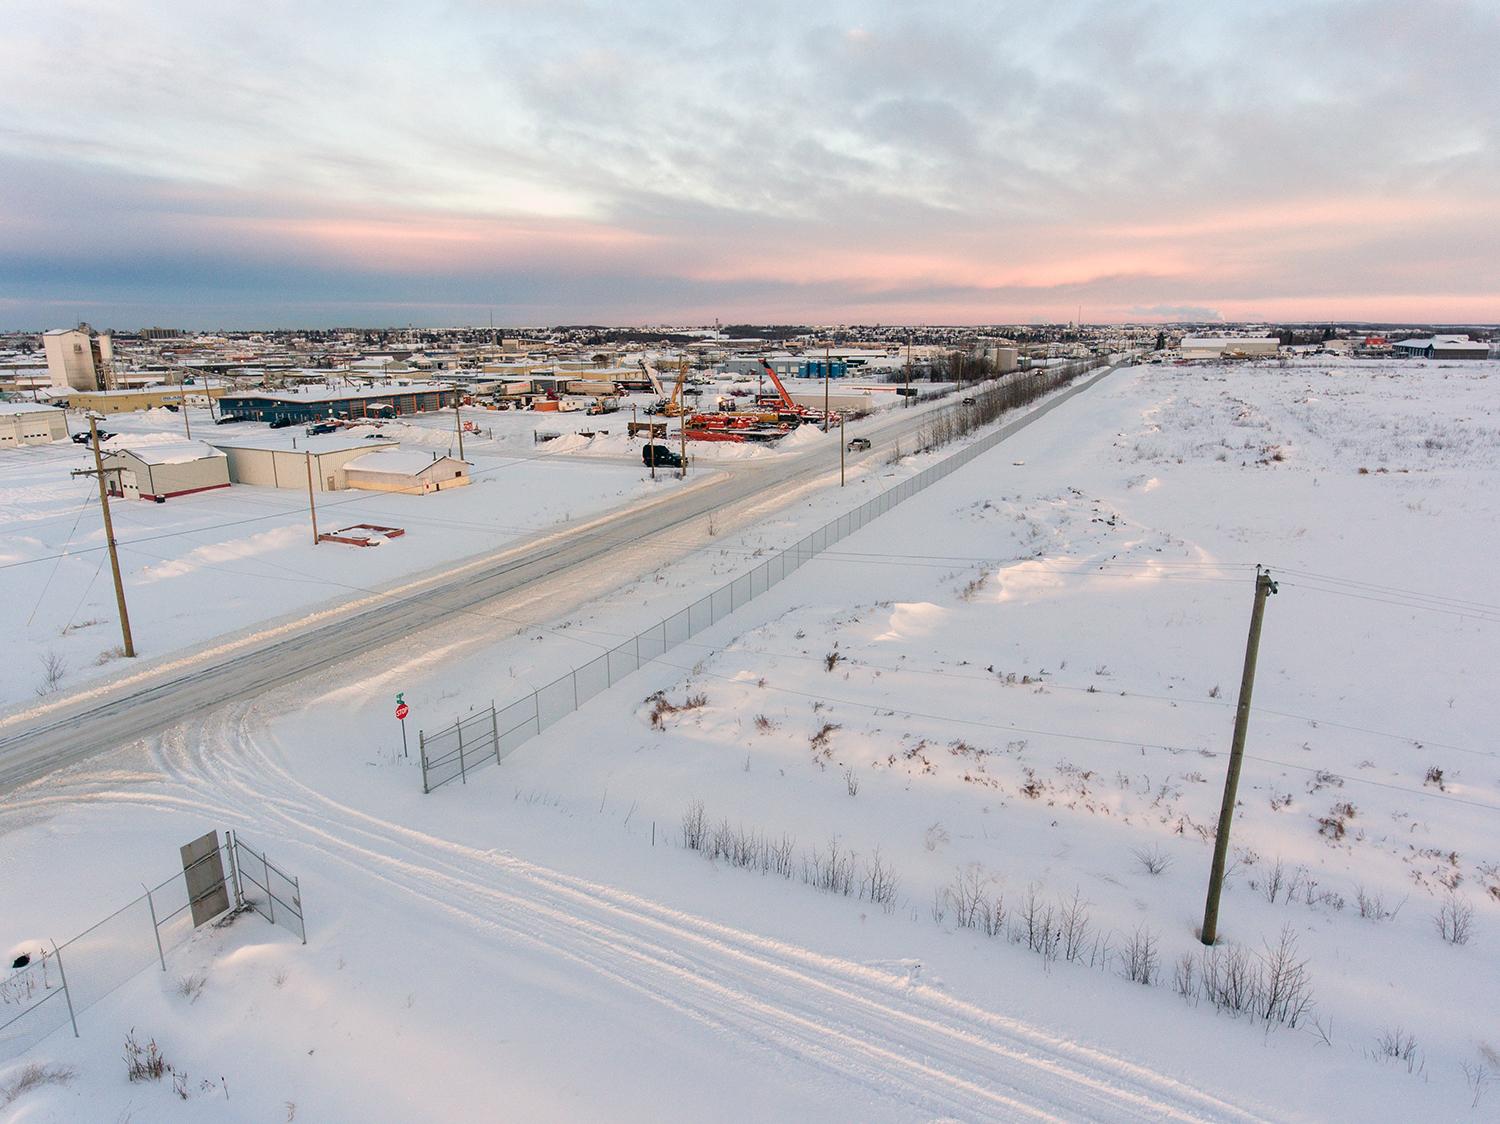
x,y
929,1050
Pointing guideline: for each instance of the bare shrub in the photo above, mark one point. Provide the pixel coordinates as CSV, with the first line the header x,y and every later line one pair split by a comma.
x,y
1075,928
974,907
1185,977
764,724
1140,959
778,855
1477,1077
1455,920
143,1062
1153,860
1397,1045
54,667
1275,882
1228,978
851,780
1435,778
694,826
831,660
830,870
1372,906
880,882
34,1075
1284,991
1036,925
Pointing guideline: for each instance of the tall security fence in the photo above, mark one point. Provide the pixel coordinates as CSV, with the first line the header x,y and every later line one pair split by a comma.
x,y
489,735
52,990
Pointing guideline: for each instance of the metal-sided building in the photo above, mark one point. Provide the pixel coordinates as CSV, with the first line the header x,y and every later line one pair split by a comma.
x,y
159,472
273,462
405,471
317,403
1442,347
31,423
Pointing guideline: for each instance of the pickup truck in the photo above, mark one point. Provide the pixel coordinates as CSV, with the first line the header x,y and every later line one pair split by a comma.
x,y
858,444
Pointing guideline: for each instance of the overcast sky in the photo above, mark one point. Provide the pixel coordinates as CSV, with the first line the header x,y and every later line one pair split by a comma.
x,y
554,161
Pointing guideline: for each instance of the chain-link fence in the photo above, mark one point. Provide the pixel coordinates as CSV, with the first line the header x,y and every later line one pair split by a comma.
x,y
488,735
58,983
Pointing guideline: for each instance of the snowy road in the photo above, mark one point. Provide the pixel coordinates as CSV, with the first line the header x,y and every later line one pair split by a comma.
x,y
100,718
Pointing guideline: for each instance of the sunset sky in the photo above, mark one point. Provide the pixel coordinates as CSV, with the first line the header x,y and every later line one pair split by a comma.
x,y
553,161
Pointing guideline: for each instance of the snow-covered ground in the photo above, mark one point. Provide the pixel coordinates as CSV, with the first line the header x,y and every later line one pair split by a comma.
x,y
1017,686
202,566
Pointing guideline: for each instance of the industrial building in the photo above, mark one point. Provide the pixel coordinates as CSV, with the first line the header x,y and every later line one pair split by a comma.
x,y
30,423
146,398
1442,347
79,357
397,470
306,404
273,461
160,471
1228,347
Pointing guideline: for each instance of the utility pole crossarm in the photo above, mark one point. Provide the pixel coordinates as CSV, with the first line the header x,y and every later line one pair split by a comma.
x,y
99,472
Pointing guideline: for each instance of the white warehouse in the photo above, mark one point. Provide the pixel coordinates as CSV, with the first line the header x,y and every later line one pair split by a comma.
x,y
31,423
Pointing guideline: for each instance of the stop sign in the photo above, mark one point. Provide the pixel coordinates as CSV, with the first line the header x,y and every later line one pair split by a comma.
x,y
402,710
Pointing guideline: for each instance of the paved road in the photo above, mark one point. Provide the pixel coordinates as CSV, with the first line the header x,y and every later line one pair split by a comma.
x,y
101,719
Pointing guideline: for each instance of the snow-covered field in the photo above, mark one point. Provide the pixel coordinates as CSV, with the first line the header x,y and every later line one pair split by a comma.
x,y
205,565
1016,690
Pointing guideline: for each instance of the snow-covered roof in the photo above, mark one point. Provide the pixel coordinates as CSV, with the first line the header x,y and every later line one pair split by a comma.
x,y
403,461
168,452
324,394
26,408
1448,342
284,441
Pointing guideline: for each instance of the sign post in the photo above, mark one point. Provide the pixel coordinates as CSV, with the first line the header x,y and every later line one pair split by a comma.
x,y
402,710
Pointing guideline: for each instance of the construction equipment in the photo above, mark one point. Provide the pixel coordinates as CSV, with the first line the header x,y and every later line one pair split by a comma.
x,y
782,401
670,407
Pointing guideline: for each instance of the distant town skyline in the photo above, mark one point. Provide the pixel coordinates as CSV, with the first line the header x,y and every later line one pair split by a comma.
x,y
673,162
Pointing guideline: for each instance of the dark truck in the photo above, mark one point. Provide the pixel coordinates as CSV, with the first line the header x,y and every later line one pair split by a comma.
x,y
662,456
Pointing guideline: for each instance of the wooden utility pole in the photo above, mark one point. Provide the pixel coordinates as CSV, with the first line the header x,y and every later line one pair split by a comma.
x,y
827,368
682,441
907,395
109,533
182,405
1264,587
458,419
311,507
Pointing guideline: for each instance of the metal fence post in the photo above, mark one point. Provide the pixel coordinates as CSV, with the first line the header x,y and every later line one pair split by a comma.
x,y
301,915
68,995
536,707
155,928
495,730
234,869
270,894
422,749
574,676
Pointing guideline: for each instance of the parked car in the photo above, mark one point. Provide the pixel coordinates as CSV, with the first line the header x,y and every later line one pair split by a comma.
x,y
321,427
280,423
968,402
83,438
225,419
660,455
858,444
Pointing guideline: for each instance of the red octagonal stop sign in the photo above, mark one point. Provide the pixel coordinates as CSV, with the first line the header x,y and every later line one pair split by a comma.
x,y
402,710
